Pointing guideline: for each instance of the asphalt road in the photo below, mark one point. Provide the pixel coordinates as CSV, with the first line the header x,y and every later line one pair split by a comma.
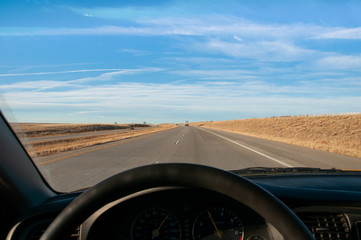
x,y
85,167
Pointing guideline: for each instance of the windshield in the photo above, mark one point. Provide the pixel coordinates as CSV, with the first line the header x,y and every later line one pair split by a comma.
x,y
93,88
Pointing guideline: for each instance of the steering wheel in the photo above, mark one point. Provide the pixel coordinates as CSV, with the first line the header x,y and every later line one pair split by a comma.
x,y
184,175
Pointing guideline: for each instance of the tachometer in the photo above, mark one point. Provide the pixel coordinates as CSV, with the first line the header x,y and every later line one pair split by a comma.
x,y
156,223
218,223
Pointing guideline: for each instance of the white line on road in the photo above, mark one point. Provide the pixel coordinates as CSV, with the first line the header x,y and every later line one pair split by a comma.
x,y
248,148
177,142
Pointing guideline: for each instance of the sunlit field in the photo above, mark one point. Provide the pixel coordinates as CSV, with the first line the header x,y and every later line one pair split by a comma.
x,y
74,140
335,133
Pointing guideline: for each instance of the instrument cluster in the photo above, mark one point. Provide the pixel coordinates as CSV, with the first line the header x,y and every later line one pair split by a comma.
x,y
176,214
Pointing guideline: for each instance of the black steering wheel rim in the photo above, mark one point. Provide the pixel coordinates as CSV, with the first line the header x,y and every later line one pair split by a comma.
x,y
183,175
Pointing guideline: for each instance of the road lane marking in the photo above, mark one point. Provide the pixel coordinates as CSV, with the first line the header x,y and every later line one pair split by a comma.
x,y
177,142
112,145
250,149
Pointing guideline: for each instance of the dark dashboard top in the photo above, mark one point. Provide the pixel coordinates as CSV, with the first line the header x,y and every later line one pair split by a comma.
x,y
305,194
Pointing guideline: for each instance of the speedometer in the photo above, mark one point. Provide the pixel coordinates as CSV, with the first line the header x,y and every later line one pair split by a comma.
x,y
156,223
218,223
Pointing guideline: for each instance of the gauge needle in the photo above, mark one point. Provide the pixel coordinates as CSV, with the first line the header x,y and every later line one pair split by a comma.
x,y
155,233
214,224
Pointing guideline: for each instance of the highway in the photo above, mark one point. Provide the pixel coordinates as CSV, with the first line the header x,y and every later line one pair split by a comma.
x,y
85,167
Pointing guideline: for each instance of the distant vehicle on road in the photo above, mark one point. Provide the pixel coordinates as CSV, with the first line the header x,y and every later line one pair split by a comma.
x,y
187,124
132,127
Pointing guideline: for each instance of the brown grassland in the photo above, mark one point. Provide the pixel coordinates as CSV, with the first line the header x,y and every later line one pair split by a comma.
x,y
53,129
333,133
48,147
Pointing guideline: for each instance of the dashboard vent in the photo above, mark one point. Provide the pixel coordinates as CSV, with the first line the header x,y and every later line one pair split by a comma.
x,y
76,234
327,226
38,231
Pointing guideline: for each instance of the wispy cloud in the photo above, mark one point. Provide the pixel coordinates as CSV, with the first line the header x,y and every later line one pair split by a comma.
x,y
171,100
42,85
112,74
135,52
232,93
87,15
341,33
340,62
109,72
206,64
228,74
262,50
159,30
35,85
191,22
225,26
238,38
104,30
61,72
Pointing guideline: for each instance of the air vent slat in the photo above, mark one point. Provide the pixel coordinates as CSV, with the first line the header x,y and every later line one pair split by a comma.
x,y
327,226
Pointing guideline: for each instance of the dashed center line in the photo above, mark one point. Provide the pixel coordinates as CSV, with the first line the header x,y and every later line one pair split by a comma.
x,y
250,149
177,142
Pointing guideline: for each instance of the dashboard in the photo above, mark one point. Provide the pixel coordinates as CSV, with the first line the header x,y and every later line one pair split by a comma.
x,y
330,207
189,214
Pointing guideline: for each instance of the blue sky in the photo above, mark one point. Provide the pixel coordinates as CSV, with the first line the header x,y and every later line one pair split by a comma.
x,y
171,61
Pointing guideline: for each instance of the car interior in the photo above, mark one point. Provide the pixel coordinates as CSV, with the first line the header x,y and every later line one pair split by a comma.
x,y
301,204
167,72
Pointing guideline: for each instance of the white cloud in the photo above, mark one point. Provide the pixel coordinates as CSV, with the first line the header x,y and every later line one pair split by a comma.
x,y
42,85
169,100
193,23
238,38
104,30
223,26
341,33
172,20
217,73
38,85
87,15
59,72
112,74
261,50
135,52
340,62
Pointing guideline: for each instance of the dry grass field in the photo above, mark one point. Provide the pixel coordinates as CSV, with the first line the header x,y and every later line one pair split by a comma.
x,y
335,133
48,147
53,129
